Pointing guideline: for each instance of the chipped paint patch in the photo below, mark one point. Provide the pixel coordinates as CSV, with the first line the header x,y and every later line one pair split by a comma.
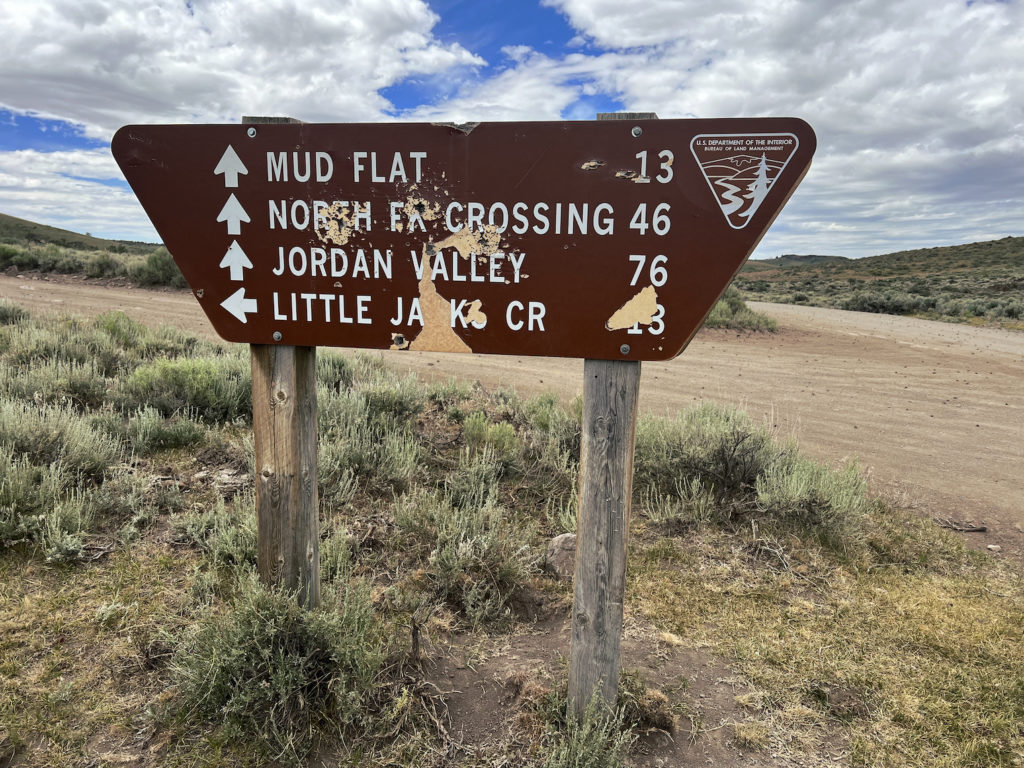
x,y
437,334
626,174
475,316
399,341
468,242
640,309
466,128
591,165
339,226
417,211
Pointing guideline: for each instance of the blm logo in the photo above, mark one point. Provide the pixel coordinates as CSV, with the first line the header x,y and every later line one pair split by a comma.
x,y
741,169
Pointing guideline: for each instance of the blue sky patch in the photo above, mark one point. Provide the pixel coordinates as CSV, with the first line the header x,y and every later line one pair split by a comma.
x,y
42,134
486,26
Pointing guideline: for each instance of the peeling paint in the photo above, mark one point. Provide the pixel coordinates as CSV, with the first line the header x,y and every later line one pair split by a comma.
x,y
466,128
590,165
399,341
466,242
474,315
625,174
339,223
420,208
437,334
640,309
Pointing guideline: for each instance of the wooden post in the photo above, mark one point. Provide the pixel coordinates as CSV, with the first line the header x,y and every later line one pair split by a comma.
x,y
610,394
284,423
611,390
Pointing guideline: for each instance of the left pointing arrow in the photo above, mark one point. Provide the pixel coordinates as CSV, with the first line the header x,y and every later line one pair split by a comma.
x,y
236,260
234,215
238,305
230,165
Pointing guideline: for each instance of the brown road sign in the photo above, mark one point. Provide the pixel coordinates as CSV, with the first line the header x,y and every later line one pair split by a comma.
x,y
605,239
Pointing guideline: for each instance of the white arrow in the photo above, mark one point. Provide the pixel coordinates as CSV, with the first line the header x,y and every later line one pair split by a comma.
x,y
238,305
230,165
236,260
233,214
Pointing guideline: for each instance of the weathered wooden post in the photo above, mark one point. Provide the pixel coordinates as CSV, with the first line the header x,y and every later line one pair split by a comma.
x,y
611,390
284,427
610,393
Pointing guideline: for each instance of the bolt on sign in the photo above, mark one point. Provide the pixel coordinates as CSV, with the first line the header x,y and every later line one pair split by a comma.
x,y
602,240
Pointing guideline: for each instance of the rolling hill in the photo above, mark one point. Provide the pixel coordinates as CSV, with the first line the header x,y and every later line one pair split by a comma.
x,y
977,282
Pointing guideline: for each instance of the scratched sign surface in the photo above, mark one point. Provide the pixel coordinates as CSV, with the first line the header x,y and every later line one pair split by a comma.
x,y
605,239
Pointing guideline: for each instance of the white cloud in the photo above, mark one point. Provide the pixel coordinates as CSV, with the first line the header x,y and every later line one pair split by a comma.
x,y
104,64
77,190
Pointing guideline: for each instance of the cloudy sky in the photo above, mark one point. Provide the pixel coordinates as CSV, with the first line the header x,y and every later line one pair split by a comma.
x,y
918,104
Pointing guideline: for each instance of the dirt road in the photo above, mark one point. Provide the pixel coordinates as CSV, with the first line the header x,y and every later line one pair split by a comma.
x,y
934,411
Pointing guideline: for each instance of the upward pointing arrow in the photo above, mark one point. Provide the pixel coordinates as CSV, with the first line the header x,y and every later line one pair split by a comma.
x,y
236,260
238,305
233,214
230,165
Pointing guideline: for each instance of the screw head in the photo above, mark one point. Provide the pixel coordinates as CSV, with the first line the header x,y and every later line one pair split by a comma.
x,y
637,130
624,349
251,133
277,336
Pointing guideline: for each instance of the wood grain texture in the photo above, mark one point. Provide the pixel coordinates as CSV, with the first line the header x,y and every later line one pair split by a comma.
x,y
611,392
284,420
610,396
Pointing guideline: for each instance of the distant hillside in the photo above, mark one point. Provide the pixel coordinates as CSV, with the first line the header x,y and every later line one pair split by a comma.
x,y
976,282
27,246
15,231
792,260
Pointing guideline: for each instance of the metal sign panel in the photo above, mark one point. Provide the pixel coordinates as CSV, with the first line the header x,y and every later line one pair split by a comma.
x,y
605,239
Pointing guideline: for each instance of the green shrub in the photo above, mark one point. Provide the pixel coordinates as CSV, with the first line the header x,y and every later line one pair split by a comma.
x,y
10,255
379,452
830,504
147,431
278,676
478,558
65,527
598,741
691,503
473,483
56,434
55,382
333,369
12,314
27,493
391,399
719,447
52,258
216,389
226,535
732,312
104,264
158,269
499,439
63,339
58,509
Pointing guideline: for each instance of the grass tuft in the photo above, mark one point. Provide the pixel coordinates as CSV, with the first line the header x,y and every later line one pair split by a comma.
x,y
277,676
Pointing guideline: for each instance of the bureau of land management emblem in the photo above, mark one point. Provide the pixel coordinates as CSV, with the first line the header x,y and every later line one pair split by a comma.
x,y
741,169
